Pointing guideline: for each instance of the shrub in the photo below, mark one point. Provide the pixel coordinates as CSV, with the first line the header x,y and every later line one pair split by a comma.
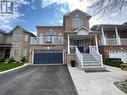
x,y
2,60
17,62
23,60
113,62
11,60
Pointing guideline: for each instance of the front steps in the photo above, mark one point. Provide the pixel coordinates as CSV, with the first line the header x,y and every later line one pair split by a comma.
x,y
91,64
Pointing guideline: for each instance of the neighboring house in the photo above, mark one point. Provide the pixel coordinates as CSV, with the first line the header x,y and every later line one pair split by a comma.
x,y
16,43
5,44
112,40
62,44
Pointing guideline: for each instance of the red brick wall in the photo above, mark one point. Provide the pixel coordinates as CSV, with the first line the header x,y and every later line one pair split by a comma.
x,y
70,57
68,20
44,29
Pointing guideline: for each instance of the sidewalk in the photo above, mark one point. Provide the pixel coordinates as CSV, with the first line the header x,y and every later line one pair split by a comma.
x,y
97,83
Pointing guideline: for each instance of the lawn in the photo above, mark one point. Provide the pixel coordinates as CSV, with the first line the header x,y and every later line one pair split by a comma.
x,y
7,66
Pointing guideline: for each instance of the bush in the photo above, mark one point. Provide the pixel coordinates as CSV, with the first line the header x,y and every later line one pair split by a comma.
x,y
113,62
23,60
2,60
11,60
17,62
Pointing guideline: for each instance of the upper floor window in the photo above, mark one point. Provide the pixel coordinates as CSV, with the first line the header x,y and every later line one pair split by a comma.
x,y
18,37
41,34
50,35
77,22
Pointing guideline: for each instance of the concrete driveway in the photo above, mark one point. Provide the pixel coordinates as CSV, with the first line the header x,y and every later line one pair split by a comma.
x,y
38,80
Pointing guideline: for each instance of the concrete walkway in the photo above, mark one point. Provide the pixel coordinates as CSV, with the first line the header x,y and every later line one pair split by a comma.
x,y
98,83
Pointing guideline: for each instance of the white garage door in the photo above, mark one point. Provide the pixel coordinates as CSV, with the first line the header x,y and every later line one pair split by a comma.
x,y
120,54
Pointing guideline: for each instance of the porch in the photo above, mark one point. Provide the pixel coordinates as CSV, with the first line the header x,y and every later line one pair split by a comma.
x,y
113,35
5,51
82,42
85,49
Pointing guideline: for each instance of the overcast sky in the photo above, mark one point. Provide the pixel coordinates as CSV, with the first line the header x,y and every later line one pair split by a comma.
x,y
30,13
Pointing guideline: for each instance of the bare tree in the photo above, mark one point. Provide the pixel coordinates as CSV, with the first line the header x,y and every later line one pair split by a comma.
x,y
103,6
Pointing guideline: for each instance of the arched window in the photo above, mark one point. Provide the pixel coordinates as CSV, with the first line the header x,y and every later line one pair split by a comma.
x,y
77,22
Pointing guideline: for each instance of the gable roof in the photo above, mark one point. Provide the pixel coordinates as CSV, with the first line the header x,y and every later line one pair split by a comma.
x,y
21,28
124,23
2,31
79,11
82,27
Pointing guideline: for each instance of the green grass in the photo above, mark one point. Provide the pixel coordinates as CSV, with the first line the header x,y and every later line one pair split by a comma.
x,y
7,66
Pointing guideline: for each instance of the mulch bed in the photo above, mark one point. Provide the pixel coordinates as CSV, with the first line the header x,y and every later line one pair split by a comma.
x,y
122,85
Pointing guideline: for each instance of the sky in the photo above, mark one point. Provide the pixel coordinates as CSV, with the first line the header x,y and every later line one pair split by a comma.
x,y
31,13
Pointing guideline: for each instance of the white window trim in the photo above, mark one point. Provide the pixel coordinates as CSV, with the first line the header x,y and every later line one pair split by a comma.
x,y
16,51
77,22
18,37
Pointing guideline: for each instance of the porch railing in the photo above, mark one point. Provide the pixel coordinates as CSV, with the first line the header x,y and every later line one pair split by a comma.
x,y
111,41
123,41
96,54
46,40
75,50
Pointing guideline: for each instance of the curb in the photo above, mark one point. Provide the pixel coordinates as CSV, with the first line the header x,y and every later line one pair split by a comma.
x,y
14,68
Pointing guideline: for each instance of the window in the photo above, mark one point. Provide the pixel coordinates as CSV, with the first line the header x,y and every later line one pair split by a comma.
x,y
77,22
50,36
16,51
18,37
26,37
50,33
41,34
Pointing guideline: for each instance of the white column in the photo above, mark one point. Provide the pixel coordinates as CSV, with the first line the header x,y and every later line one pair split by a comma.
x,y
103,36
117,37
68,44
96,41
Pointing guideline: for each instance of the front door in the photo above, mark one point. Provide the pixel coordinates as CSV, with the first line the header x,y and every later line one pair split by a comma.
x,y
80,45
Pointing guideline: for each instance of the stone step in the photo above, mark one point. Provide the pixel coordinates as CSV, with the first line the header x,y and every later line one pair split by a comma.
x,y
93,68
91,64
89,59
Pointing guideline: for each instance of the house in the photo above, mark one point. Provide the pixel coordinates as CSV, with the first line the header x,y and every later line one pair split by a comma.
x,y
15,43
5,44
62,44
112,40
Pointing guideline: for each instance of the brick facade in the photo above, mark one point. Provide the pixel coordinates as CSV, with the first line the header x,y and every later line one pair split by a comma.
x,y
67,27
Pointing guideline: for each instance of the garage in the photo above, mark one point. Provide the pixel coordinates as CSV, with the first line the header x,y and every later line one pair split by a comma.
x,y
48,57
119,54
